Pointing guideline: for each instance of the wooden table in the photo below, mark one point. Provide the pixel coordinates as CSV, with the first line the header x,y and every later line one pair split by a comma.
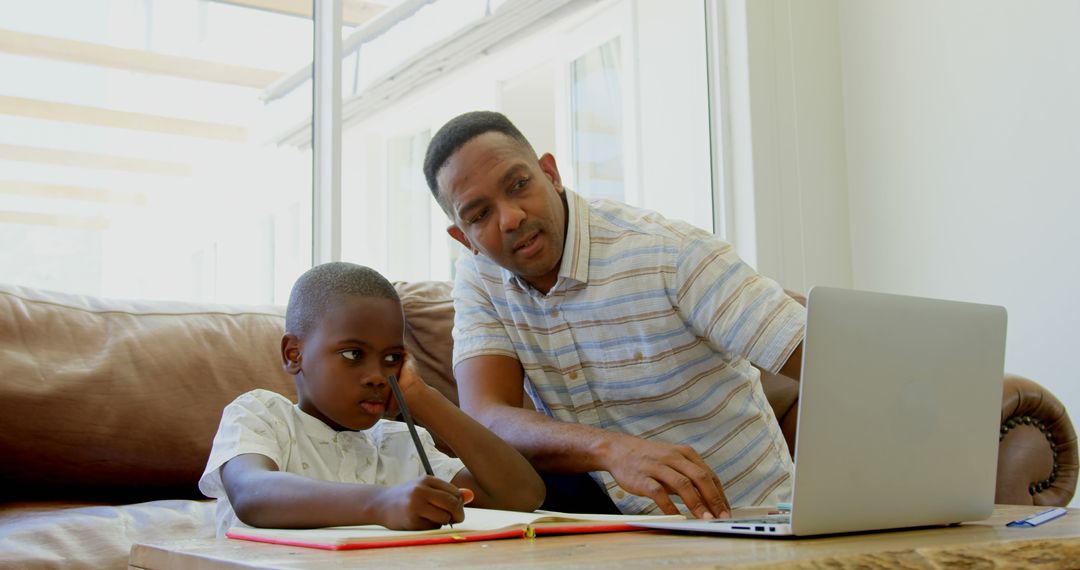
x,y
1053,545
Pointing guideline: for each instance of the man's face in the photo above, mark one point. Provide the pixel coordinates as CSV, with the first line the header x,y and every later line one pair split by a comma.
x,y
342,365
506,204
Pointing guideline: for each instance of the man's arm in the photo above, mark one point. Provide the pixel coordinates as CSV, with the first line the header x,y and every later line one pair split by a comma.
x,y
793,367
490,389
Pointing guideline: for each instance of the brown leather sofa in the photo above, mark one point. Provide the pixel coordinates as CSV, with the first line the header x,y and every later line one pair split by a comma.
x,y
108,409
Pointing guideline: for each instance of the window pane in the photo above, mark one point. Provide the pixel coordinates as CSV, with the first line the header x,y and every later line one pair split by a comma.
x,y
408,209
138,157
615,91
597,104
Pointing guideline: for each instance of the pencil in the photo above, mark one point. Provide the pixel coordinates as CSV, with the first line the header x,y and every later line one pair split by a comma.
x,y
412,426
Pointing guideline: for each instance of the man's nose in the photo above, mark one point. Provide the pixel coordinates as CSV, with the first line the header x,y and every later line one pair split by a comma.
x,y
510,218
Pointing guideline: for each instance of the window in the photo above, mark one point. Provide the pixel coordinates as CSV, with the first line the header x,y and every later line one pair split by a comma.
x,y
163,149
408,211
136,153
596,101
615,90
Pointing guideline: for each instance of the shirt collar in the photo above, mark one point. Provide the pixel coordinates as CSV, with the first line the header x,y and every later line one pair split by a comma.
x,y
575,261
315,428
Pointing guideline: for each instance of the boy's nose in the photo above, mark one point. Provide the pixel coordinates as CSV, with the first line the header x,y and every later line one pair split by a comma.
x,y
375,380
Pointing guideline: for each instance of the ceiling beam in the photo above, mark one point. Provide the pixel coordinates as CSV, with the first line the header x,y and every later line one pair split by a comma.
x,y
93,160
33,45
353,12
54,220
86,115
424,67
65,192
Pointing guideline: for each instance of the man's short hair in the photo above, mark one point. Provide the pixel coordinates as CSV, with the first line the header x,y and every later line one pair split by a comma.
x,y
320,287
458,131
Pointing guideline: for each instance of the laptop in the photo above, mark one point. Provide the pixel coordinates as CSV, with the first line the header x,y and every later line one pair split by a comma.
x,y
899,412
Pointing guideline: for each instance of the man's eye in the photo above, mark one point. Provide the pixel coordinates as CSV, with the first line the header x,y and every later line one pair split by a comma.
x,y
479,216
393,358
352,354
521,183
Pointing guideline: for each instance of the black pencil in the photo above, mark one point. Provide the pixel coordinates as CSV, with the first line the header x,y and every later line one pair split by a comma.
x,y
405,415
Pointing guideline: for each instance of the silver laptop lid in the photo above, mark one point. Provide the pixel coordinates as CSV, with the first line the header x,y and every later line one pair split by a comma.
x,y
899,407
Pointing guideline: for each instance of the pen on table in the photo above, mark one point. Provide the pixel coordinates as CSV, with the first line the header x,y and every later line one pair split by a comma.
x,y
1038,518
412,427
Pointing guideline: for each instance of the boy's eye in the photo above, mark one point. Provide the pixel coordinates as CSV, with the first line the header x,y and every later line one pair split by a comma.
x,y
393,358
352,354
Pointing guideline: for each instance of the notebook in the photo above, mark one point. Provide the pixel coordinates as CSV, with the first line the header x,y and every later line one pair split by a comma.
x,y
899,411
479,524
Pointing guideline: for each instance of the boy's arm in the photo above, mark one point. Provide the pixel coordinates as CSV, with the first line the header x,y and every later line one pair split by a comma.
x,y
498,475
263,496
491,390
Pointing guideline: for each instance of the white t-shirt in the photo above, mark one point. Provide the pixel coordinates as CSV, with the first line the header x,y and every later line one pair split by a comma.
x,y
269,424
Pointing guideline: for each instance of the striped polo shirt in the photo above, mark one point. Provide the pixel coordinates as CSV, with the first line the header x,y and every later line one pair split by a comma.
x,y
650,330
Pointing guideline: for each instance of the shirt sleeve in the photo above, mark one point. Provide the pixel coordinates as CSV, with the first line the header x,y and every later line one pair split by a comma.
x,y
736,308
247,426
477,327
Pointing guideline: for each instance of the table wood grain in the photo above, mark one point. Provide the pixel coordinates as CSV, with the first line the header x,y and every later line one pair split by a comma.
x,y
986,544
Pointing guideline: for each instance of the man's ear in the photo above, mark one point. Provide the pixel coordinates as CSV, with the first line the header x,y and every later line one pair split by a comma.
x,y
459,236
551,170
290,354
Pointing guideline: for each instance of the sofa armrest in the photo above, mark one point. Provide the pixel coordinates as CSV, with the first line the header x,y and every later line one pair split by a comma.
x,y
1037,453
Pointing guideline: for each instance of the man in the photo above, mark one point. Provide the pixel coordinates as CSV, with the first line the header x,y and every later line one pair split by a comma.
x,y
633,335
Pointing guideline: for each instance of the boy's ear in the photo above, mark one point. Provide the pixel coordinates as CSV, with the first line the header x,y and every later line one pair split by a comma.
x,y
459,236
290,354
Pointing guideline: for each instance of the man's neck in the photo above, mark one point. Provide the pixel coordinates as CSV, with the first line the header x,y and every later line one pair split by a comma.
x,y
546,282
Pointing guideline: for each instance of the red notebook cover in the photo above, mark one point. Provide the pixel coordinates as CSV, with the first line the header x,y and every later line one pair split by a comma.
x,y
480,524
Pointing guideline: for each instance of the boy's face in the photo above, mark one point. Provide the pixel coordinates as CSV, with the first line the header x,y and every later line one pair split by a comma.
x,y
342,365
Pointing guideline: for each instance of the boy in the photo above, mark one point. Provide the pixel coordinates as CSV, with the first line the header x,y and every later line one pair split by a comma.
x,y
331,460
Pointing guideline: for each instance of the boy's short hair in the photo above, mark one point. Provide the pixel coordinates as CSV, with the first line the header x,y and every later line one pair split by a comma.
x,y
321,285
458,131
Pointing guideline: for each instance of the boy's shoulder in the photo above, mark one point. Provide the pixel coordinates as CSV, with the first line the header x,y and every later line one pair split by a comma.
x,y
263,403
263,397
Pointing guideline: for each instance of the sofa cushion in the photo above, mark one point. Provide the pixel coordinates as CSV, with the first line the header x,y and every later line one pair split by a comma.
x,y
429,320
58,535
118,401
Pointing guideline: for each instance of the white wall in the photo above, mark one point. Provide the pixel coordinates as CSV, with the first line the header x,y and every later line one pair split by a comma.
x,y
963,135
954,157
959,147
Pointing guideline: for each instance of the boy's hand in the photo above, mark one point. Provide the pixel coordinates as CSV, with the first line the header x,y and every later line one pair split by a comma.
x,y
422,503
409,379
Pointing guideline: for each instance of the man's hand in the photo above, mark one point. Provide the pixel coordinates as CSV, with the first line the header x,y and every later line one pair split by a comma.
x,y
422,503
657,470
